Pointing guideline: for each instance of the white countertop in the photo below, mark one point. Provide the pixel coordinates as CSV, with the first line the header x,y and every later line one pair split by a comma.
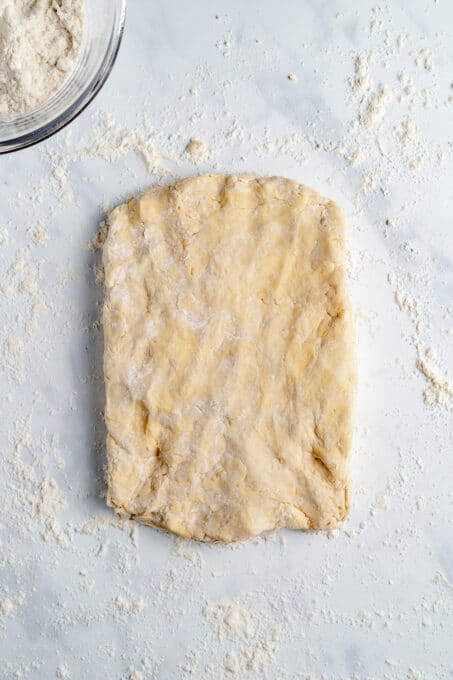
x,y
83,597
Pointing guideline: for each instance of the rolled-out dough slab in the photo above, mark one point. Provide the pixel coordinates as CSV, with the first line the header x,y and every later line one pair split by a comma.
x,y
229,358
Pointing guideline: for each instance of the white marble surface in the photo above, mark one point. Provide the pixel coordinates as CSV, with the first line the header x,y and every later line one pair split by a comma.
x,y
375,599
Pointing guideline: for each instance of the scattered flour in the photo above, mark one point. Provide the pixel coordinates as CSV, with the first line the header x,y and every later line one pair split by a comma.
x,y
189,551
440,388
376,107
362,80
112,142
40,235
49,504
254,658
136,675
409,132
60,182
50,501
9,605
6,607
382,501
195,149
415,674
191,662
425,58
406,302
231,618
15,345
129,607
254,635
4,234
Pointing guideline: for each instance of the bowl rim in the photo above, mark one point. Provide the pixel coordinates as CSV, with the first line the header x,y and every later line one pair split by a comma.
x,y
81,102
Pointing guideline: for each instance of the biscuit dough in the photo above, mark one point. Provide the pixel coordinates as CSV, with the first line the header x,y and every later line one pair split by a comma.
x,y
229,358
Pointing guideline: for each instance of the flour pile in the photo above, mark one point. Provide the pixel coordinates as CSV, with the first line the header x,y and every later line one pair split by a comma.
x,y
39,42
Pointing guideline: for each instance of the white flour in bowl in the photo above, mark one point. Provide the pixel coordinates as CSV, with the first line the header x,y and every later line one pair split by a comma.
x,y
39,42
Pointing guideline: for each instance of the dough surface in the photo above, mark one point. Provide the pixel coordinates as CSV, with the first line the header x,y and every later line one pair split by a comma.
x,y
229,358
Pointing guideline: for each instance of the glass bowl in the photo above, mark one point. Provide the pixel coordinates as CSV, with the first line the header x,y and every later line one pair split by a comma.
x,y
103,30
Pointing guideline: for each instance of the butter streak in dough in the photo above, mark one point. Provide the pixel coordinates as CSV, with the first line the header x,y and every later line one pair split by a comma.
x,y
229,361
